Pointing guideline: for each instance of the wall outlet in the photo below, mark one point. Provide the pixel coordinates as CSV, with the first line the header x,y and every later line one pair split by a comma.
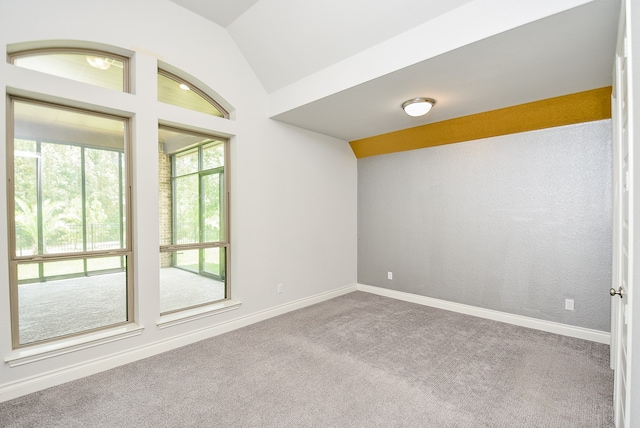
x,y
389,275
279,288
568,304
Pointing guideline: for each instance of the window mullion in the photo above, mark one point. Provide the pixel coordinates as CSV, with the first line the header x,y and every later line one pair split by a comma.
x,y
120,203
201,206
83,197
39,199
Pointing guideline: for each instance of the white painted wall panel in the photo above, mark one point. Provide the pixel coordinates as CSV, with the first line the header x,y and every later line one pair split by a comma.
x,y
293,202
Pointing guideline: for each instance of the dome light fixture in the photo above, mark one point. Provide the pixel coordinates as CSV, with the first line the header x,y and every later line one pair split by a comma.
x,y
418,106
101,63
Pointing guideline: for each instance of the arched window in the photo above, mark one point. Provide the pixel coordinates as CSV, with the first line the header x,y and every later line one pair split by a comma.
x,y
179,92
88,66
193,216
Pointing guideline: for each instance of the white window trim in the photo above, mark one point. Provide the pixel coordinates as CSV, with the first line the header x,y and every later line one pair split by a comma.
x,y
45,351
34,89
187,315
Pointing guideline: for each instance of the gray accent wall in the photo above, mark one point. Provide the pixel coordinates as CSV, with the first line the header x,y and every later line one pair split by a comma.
x,y
515,223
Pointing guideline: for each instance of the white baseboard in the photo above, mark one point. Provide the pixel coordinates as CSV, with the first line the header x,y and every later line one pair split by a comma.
x,y
59,376
548,326
55,377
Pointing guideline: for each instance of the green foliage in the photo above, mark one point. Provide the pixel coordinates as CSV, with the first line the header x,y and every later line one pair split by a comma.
x,y
55,176
54,221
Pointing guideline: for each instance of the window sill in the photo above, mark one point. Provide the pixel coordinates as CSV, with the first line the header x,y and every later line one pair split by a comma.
x,y
193,314
65,346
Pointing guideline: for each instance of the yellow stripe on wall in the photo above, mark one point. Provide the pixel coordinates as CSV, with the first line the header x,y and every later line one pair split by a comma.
x,y
565,110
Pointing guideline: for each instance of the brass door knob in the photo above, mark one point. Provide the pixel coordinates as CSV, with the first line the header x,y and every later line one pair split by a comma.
x,y
613,292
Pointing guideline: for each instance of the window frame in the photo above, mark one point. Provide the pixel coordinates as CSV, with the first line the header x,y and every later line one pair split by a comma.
x,y
195,89
121,109
224,242
126,74
15,260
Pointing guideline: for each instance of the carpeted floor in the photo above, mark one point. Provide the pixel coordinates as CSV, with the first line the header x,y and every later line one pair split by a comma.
x,y
359,360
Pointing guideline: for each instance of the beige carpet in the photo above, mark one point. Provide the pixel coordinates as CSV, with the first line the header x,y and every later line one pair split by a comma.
x,y
359,360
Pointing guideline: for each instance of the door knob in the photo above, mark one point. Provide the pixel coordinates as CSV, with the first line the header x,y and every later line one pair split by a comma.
x,y
613,292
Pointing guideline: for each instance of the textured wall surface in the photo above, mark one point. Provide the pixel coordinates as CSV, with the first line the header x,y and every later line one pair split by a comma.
x,y
517,223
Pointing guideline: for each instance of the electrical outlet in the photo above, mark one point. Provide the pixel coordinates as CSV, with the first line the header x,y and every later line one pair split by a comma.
x,y
568,304
389,275
279,288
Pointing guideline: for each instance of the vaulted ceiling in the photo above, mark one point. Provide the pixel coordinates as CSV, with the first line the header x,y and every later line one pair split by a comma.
x,y
343,67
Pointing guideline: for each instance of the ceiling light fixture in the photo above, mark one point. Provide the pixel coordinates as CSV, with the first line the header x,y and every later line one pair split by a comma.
x,y
418,106
184,87
100,63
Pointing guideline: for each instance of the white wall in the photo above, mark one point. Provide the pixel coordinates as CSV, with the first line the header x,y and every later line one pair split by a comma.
x,y
294,195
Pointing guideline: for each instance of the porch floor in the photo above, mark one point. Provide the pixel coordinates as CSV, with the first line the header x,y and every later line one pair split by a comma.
x,y
56,308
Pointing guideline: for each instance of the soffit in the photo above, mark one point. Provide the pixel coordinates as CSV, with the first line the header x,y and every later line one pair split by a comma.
x,y
566,53
343,68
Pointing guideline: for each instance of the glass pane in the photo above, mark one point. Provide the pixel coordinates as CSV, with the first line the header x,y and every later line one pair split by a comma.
x,y
172,90
186,163
214,263
188,260
175,142
213,155
61,207
211,200
26,165
104,210
189,195
69,180
102,264
187,213
63,268
29,272
66,306
94,68
180,288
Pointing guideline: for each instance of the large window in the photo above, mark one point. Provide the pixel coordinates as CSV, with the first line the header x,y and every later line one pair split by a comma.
x,y
193,219
69,221
69,199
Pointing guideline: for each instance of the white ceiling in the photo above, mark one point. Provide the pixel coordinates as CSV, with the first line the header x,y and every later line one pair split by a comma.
x,y
222,12
302,37
343,67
